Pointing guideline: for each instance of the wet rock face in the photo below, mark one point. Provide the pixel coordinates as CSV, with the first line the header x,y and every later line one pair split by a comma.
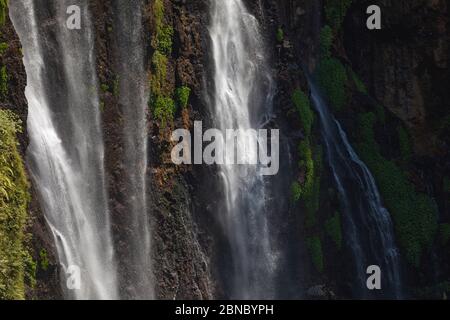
x,y
47,281
180,266
405,63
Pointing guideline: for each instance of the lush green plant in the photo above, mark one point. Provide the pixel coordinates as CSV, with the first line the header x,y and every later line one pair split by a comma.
x,y
158,11
335,12
30,267
162,40
360,86
296,191
303,106
444,233
14,198
158,80
326,41
161,100
307,163
4,78
280,35
315,249
104,87
43,259
334,230
414,214
182,94
164,110
3,47
3,11
332,78
309,191
161,103
165,35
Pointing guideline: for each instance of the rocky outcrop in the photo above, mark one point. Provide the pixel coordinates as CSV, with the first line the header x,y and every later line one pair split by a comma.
x,y
406,64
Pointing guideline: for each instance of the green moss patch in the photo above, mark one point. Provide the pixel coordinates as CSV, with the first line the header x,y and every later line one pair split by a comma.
x,y
14,198
414,213
303,107
182,96
332,79
314,245
334,230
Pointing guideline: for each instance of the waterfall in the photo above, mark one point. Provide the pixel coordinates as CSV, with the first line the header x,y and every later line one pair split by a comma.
x,y
66,147
133,98
368,227
242,100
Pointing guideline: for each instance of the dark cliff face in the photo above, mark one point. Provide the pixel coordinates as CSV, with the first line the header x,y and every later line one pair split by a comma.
x,y
405,68
406,64
181,268
404,72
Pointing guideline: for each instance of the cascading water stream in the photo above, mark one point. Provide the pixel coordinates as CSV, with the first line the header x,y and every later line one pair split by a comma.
x,y
242,100
368,227
133,97
66,147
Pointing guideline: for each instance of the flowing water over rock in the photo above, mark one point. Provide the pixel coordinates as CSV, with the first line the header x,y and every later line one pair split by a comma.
x,y
133,95
368,228
242,100
66,147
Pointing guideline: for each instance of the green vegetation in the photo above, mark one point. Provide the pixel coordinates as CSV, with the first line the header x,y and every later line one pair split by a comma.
x,y
334,230
360,86
310,161
3,47
164,110
182,96
30,269
414,213
4,78
159,65
164,33
332,78
315,249
104,87
326,41
330,73
14,198
309,192
303,107
43,259
335,12
161,100
306,162
296,191
280,35
3,11
444,233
